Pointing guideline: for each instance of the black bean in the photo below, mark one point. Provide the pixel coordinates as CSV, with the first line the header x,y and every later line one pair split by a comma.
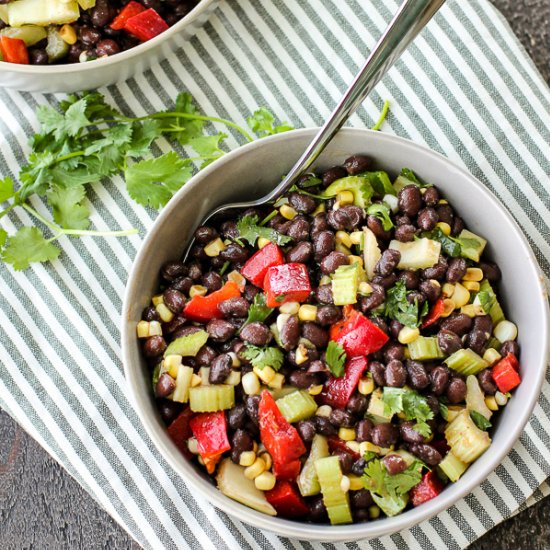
x,y
324,427
374,299
361,499
154,346
89,36
318,224
317,510
236,416
358,467
220,368
165,385
38,56
487,382
205,356
491,271
357,404
252,403
302,203
427,219
405,233
381,324
430,196
257,334
410,278
323,294
510,346
396,374
229,230
212,281
418,377
484,323
329,264
395,464
458,226
430,289
234,253
220,330
357,164
194,270
416,297
318,366
459,323
341,418
375,225
323,244
150,314
410,200
439,378
171,271
384,435
395,328
476,340
448,341
290,333
456,391
315,334
402,219
182,284
328,315
393,351
107,47
385,282
198,252
345,459
456,270
298,229
303,379
409,434
445,213
306,429
387,262
241,441
333,174
437,271
168,410
425,452
300,253
174,300
345,218
234,307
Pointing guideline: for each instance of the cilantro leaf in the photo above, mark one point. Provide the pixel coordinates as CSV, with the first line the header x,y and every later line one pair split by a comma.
x,y
26,246
374,477
187,128
250,231
448,245
412,404
382,211
6,189
262,122
486,300
411,176
258,311
152,182
480,421
208,145
69,124
398,307
378,481
3,237
264,357
67,209
143,134
336,358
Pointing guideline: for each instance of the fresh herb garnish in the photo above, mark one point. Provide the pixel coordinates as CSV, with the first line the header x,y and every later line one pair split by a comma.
x,y
377,479
250,230
262,122
452,246
413,405
399,308
480,421
258,311
444,410
382,211
486,300
264,357
411,176
336,358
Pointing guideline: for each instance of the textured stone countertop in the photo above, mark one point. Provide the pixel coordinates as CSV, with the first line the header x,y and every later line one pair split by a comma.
x,y
41,506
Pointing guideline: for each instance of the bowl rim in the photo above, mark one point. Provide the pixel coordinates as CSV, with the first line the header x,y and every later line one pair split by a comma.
x,y
126,55
302,530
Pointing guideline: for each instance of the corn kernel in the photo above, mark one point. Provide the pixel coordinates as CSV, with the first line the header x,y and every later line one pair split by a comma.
x,y
247,458
355,483
235,361
265,481
408,335
435,282
233,378
345,484
237,278
158,299
324,411
339,247
448,307
374,512
250,383
325,280
142,329
193,445
472,286
353,445
277,382
473,274
197,290
255,447
491,403
301,354
320,209
265,374
213,248
366,385
343,238
345,197
196,380
172,364
315,390
470,310
68,34
262,241
290,308
255,469
155,328
448,290
442,201
164,313
384,451
505,330
364,288
266,457
368,447
445,228
461,295
500,399
346,434
402,415
352,259
356,237
307,312
491,355
288,212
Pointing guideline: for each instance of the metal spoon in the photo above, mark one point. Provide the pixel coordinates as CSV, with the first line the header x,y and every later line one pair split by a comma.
x,y
410,19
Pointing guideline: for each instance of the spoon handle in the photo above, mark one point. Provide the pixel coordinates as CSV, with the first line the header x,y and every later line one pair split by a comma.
x,y
411,18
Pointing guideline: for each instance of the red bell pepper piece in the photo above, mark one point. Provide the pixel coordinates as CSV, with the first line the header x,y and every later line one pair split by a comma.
x,y
434,314
286,499
357,335
205,308
145,25
505,373
14,50
282,441
428,488
288,471
286,283
180,431
210,431
256,266
129,10
337,391
337,444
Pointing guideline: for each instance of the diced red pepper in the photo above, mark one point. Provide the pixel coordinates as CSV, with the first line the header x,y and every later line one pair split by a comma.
x,y
256,266
288,471
205,308
129,10
210,463
286,499
357,335
505,373
337,391
180,431
337,444
286,283
14,50
428,488
280,438
434,314
210,431
146,25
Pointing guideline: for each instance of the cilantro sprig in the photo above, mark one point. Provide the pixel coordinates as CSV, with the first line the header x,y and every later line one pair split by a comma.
x,y
250,230
378,480
382,211
413,405
258,311
480,421
452,246
264,357
335,358
399,308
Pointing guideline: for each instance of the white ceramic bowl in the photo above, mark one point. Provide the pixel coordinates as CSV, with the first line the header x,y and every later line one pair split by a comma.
x,y
249,172
73,77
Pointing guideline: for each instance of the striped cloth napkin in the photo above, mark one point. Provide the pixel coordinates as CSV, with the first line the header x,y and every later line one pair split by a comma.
x,y
465,88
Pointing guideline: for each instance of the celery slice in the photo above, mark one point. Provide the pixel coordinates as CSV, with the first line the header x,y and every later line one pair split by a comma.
x,y
376,411
43,13
308,482
358,185
475,398
30,34
466,361
487,299
425,348
391,505
466,440
56,48
183,383
345,284
452,467
336,501
296,406
418,254
216,397
187,345
371,252
471,245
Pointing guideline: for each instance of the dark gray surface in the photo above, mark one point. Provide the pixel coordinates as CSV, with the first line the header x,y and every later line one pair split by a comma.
x,y
41,506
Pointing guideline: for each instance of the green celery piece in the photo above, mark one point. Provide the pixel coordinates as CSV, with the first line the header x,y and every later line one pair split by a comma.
x,y
296,406
492,306
335,500
345,284
376,408
425,348
452,467
466,361
187,346
358,185
469,251
466,440
308,482
380,183
183,384
391,505
216,397
402,181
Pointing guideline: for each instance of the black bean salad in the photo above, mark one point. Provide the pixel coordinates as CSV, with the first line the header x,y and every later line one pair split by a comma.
x,y
337,355
40,32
